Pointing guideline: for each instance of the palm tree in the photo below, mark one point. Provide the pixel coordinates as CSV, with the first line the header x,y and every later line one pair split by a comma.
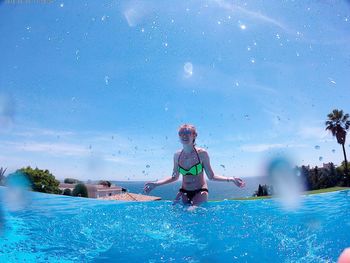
x,y
338,124
2,174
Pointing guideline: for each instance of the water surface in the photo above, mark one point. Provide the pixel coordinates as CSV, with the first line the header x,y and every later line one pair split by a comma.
x,y
65,229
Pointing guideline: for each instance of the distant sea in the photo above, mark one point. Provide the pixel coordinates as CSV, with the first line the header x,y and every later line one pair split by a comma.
x,y
217,190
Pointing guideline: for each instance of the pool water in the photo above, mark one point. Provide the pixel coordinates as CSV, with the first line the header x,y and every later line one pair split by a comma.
x,y
53,228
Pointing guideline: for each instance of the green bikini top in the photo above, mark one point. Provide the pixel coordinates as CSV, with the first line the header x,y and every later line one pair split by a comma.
x,y
194,170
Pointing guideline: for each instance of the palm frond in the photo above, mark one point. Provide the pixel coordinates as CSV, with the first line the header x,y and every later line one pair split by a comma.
x,y
2,171
338,124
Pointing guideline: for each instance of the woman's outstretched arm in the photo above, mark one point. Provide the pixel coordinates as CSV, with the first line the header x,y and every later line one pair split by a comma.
x,y
174,177
215,177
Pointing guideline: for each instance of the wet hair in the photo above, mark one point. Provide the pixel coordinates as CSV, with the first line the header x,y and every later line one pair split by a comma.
x,y
192,128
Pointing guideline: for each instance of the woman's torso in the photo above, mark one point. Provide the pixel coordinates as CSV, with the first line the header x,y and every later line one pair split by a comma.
x,y
186,161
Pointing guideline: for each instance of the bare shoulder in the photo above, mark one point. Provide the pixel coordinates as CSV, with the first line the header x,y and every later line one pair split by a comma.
x,y
202,152
177,154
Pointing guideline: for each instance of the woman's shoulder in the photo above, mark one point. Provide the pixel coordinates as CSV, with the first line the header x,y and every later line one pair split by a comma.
x,y
201,151
177,153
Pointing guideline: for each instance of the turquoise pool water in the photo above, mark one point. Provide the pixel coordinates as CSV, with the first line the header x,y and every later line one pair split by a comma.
x,y
54,228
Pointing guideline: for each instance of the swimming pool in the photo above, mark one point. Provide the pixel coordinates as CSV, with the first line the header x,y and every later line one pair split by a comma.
x,y
57,228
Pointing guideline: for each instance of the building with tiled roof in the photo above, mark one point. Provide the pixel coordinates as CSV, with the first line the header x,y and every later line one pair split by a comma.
x,y
95,190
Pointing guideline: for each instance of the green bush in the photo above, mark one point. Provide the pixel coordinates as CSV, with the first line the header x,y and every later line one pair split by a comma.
x,y
264,190
41,180
80,190
71,181
67,191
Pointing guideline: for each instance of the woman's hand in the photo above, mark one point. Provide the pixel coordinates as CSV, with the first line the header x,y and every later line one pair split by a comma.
x,y
239,182
149,187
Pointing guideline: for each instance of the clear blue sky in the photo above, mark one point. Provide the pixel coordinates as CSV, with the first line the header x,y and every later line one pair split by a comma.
x,y
97,89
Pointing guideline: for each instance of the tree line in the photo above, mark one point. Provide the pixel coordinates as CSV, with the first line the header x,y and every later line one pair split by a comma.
x,y
315,178
43,181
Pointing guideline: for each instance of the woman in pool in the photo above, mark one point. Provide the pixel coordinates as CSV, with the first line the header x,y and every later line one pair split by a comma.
x,y
191,162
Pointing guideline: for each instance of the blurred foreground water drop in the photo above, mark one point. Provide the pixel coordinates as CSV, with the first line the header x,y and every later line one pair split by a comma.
x,y
287,185
2,217
16,196
7,111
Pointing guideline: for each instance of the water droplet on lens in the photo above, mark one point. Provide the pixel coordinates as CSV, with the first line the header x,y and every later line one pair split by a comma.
x,y
16,195
188,69
332,81
285,182
106,80
7,111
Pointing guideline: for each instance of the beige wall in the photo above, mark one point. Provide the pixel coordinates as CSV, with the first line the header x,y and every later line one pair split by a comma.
x,y
95,191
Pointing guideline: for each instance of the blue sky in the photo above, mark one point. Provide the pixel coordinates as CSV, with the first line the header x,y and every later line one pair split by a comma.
x,y
97,89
